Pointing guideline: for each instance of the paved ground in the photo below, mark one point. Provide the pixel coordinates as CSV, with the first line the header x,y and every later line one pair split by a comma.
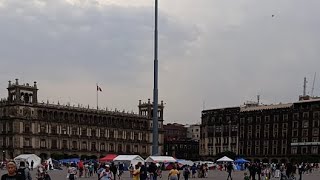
x,y
217,175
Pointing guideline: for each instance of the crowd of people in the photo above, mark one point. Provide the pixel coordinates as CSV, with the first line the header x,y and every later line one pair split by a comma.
x,y
22,172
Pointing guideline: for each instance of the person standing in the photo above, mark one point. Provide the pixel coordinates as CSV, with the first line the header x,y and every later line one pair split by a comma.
x,y
143,172
12,172
106,174
229,170
24,171
32,163
72,172
113,169
136,173
131,170
173,174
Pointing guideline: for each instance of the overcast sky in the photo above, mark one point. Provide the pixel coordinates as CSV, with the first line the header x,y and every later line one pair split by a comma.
x,y
212,53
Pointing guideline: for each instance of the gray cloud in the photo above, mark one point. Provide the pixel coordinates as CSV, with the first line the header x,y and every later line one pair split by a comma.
x,y
223,52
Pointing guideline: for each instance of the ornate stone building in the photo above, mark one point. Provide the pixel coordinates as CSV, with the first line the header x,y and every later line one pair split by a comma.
x,y
279,132
27,126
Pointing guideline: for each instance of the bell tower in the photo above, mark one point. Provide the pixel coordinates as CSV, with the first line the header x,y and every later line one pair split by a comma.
x,y
146,109
23,93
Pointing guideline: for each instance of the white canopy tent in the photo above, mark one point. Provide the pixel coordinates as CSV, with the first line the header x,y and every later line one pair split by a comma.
x,y
157,159
224,159
27,158
128,159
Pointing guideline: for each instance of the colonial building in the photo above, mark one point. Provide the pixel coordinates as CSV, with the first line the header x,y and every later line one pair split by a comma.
x,y
177,144
193,131
28,126
266,133
219,131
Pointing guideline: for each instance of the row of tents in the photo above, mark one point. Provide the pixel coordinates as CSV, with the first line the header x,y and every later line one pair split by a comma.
x,y
125,159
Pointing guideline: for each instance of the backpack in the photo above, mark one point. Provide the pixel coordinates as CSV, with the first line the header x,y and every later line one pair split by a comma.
x,y
21,173
186,172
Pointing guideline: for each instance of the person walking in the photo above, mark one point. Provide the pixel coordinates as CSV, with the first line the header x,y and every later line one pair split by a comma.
x,y
229,170
186,172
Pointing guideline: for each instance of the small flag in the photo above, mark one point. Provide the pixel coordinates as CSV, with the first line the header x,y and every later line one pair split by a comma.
x,y
99,88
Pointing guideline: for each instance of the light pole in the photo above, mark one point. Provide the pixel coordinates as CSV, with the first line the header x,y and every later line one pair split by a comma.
x,y
3,155
155,133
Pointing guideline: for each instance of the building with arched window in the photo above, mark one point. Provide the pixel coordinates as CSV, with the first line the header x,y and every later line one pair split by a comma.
x,y
28,126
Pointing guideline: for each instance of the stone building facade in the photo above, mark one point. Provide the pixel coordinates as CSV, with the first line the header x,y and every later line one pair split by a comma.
x,y
177,144
281,132
28,126
194,132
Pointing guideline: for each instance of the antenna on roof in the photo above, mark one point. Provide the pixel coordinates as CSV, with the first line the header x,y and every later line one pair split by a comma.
x,y
314,79
304,86
258,99
204,105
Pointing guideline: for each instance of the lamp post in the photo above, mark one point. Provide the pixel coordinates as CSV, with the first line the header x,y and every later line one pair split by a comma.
x,y
3,155
155,133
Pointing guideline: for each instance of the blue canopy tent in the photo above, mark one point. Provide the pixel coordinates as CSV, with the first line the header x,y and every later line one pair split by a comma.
x,y
240,164
73,160
241,161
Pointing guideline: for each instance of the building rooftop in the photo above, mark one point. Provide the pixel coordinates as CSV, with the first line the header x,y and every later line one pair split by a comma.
x,y
265,107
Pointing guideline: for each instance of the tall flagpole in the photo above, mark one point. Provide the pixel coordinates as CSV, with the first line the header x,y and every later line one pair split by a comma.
x,y
155,132
97,97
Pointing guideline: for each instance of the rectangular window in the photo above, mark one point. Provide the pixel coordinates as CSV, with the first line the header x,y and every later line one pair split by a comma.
x,y
267,119
295,133
306,115
27,142
316,115
276,118
294,150
296,116
241,120
54,144
284,126
305,132
249,120
314,150
304,150
295,124
315,123
285,117
305,124
64,144
315,132
258,119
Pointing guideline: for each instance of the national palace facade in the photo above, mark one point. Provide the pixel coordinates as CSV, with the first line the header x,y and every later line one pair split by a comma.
x,y
281,132
27,126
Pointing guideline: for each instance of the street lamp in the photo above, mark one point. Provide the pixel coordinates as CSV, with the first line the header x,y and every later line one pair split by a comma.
x,y
3,155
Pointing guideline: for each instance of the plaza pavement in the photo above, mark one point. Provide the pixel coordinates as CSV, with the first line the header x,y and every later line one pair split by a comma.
x,y
213,174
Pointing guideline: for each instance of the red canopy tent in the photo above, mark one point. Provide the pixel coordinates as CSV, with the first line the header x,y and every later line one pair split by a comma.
x,y
108,158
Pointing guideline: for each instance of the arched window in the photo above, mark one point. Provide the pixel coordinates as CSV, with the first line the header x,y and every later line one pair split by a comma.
x,y
111,148
119,147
